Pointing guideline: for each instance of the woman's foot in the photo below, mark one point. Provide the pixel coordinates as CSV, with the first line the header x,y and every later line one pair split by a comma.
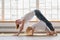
x,y
52,33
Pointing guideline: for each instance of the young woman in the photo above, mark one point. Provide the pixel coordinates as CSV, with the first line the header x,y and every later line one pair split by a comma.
x,y
43,22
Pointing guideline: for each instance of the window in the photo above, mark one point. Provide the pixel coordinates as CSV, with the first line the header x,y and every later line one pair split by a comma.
x,y
0,9
50,8
10,10
15,9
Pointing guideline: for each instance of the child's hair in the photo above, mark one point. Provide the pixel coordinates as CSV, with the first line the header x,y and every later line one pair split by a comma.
x,y
28,29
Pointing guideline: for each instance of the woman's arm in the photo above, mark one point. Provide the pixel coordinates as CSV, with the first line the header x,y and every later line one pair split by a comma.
x,y
21,27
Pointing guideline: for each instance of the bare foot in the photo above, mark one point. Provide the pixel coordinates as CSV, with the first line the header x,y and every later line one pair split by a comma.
x,y
52,33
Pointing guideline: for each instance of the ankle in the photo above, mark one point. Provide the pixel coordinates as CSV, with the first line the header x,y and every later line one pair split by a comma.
x,y
53,32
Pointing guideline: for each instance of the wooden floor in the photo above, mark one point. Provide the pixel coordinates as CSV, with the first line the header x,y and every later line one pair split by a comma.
x,y
23,37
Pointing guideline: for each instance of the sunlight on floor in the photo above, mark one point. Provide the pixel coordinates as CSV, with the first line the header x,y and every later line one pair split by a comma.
x,y
22,34
10,37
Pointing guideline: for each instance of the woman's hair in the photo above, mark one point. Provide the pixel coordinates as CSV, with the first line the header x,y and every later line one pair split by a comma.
x,y
17,26
18,21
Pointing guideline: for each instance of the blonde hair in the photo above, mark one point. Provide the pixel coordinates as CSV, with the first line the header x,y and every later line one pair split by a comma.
x,y
28,29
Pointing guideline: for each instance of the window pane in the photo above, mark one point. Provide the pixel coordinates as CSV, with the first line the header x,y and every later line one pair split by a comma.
x,y
54,11
13,4
0,17
59,16
50,8
48,17
0,14
42,11
32,9
54,17
20,14
0,9
20,4
26,4
7,3
17,8
48,11
48,4
7,15
42,6
32,3
0,4
59,4
13,14
7,12
13,18
41,1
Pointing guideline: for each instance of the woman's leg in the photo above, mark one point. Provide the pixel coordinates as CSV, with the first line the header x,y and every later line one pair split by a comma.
x,y
41,17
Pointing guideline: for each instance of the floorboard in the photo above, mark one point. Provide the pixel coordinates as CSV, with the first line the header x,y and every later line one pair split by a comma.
x,y
24,37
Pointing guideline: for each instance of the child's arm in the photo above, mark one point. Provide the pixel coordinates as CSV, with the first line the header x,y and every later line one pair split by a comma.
x,y
21,27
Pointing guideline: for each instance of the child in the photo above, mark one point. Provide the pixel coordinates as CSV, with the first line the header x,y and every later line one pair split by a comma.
x,y
43,21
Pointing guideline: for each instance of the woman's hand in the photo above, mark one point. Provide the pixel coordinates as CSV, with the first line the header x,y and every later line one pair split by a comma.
x,y
21,26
